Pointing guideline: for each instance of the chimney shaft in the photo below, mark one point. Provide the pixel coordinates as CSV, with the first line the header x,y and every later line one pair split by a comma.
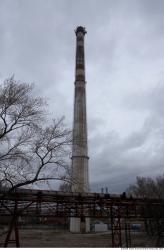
x,y
80,146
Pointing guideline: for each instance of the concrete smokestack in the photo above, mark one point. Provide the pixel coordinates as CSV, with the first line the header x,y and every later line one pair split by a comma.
x,y
80,145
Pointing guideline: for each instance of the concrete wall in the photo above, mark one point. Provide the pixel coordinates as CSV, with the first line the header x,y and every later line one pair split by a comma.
x,y
101,227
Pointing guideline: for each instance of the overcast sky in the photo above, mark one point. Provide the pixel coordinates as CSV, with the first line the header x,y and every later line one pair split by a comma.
x,y
124,49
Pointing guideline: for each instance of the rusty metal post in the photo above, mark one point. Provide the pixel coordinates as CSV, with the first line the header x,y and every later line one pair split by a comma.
x,y
127,224
116,227
13,226
127,235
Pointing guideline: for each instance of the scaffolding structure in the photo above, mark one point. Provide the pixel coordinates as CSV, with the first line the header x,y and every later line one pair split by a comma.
x,y
120,210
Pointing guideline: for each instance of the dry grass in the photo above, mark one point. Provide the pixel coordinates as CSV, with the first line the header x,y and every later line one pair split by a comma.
x,y
52,238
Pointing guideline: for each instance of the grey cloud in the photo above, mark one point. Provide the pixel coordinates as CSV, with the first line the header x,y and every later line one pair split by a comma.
x,y
122,159
150,100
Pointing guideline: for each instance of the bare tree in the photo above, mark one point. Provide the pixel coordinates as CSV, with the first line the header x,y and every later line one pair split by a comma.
x,y
19,113
146,187
29,151
67,186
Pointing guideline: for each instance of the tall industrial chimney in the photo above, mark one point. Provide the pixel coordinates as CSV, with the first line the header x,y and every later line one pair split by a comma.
x,y
80,146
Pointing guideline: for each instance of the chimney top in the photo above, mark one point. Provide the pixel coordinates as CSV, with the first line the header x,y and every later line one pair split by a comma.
x,y
80,29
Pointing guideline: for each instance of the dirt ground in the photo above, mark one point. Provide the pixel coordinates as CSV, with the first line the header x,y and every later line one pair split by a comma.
x,y
66,239
52,238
